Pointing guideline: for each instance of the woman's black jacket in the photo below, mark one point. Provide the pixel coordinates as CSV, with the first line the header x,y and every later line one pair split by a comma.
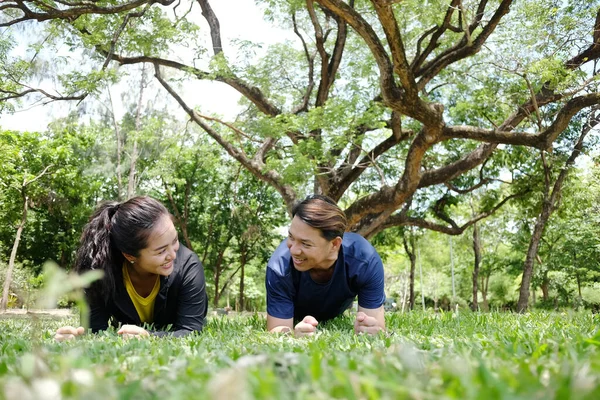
x,y
180,306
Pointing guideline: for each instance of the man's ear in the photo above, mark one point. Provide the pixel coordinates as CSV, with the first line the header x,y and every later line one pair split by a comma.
x,y
336,243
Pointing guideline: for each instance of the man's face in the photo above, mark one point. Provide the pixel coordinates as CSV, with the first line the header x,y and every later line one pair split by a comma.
x,y
309,249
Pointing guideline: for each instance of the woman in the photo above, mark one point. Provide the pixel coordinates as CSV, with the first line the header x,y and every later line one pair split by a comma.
x,y
149,278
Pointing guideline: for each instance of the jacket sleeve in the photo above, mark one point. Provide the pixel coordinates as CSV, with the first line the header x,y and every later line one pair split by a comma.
x,y
191,300
98,314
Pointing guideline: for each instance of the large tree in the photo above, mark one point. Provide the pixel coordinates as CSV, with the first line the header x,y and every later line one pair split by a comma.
x,y
386,106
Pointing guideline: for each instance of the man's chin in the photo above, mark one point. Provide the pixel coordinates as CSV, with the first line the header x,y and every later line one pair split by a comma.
x,y
300,266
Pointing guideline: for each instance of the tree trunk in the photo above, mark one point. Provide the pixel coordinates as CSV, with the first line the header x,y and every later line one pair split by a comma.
x,y
217,276
132,167
131,186
242,272
405,287
411,283
545,286
119,139
63,258
485,282
409,247
13,254
534,245
547,208
227,283
577,277
476,266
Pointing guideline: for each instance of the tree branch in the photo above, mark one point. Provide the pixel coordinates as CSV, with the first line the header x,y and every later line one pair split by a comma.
x,y
466,47
252,93
436,33
453,229
365,214
15,95
390,91
72,12
44,172
320,43
119,31
394,39
256,167
592,52
349,173
310,60
213,23
451,171
542,140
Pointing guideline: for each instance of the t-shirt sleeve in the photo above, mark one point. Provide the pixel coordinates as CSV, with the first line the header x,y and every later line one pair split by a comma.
x,y
371,292
280,295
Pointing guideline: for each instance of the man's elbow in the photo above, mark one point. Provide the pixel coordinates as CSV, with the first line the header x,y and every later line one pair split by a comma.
x,y
280,329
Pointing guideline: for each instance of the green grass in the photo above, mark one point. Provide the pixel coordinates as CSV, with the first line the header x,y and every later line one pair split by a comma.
x,y
541,355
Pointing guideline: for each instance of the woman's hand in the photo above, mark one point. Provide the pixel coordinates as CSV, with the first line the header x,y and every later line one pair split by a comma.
x,y
129,331
68,333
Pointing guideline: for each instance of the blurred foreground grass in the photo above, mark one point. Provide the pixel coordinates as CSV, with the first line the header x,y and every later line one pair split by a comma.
x,y
540,355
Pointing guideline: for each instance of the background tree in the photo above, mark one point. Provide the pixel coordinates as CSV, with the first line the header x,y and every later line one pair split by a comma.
x,y
367,107
28,180
551,194
30,163
225,214
398,110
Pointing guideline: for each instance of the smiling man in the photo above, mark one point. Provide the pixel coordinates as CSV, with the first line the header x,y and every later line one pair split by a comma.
x,y
317,272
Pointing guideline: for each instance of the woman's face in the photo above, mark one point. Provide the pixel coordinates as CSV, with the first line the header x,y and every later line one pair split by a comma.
x,y
161,251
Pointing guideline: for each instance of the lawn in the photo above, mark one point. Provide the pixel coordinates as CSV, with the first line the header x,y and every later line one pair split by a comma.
x,y
541,355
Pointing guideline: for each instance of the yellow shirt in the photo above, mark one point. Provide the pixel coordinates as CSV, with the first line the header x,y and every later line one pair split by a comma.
x,y
143,305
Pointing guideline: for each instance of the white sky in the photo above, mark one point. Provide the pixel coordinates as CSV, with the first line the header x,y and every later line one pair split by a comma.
x,y
246,23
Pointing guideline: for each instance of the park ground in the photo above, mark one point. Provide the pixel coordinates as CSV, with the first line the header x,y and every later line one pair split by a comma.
x,y
424,355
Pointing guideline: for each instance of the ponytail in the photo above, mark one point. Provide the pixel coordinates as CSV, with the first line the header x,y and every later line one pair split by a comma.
x,y
96,252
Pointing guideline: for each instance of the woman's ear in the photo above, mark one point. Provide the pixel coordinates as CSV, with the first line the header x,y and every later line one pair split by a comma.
x,y
130,259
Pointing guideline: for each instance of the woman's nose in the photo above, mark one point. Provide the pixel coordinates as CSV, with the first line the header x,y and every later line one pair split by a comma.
x,y
172,253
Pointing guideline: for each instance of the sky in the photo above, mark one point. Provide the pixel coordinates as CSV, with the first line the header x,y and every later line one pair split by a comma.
x,y
245,23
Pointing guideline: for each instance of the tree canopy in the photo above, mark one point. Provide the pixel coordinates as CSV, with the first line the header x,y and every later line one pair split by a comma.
x,y
394,108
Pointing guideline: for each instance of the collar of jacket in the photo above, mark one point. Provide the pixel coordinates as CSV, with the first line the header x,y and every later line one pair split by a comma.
x,y
125,304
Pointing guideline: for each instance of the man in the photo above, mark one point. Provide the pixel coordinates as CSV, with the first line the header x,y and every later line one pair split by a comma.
x,y
318,271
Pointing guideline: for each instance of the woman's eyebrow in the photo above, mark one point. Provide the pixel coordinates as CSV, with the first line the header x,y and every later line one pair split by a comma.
x,y
162,247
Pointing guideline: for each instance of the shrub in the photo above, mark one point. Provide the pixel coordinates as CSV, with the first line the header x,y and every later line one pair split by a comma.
x,y
23,286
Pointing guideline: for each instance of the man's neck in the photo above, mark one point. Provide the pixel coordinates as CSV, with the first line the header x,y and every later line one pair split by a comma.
x,y
323,275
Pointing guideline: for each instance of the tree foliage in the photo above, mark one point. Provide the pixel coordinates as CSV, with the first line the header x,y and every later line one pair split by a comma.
x,y
391,108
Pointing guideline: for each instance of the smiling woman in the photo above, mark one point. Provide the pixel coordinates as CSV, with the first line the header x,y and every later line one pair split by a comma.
x,y
149,278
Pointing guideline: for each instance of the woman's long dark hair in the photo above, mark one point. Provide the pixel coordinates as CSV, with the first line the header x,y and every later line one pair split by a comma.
x,y
113,229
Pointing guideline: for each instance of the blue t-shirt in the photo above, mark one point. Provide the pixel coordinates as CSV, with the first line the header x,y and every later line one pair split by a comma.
x,y
358,271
